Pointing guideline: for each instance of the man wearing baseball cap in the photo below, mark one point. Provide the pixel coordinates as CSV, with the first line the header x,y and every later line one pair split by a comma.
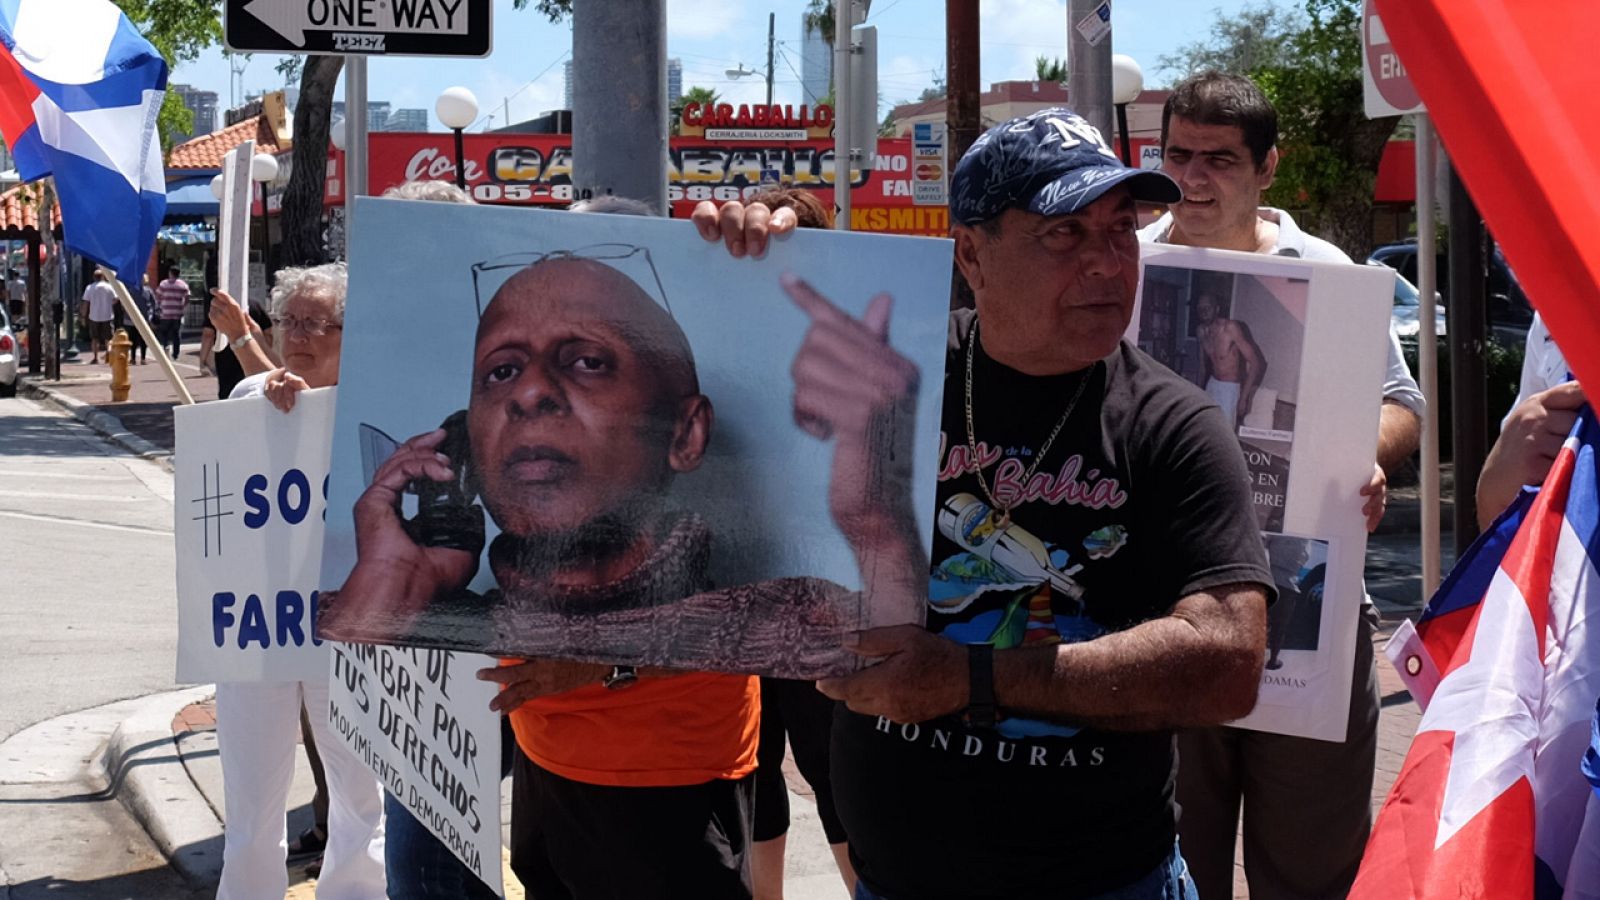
x,y
1097,579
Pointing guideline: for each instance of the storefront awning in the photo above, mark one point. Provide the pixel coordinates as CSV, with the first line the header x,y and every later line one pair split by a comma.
x,y
191,197
188,233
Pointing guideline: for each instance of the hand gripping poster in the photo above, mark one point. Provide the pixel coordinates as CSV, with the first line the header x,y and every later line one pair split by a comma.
x,y
1294,353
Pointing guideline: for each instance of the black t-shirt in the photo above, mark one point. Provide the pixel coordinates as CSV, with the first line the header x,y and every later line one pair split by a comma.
x,y
1142,499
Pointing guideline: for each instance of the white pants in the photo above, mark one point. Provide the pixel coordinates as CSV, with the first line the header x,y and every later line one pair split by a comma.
x,y
256,728
1226,393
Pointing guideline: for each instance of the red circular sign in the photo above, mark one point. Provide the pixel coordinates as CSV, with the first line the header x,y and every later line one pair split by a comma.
x,y
1383,65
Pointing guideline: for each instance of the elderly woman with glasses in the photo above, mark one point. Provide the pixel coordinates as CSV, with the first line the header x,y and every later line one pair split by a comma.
x,y
257,721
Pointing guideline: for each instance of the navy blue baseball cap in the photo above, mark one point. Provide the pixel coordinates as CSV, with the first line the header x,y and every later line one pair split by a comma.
x,y
1052,162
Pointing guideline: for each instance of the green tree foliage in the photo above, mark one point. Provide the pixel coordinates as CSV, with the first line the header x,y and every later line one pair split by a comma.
x,y
701,95
554,10
1047,69
1330,150
819,19
180,30
1255,37
1308,62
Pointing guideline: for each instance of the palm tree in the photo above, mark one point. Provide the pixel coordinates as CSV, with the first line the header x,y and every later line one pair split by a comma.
x,y
703,96
819,19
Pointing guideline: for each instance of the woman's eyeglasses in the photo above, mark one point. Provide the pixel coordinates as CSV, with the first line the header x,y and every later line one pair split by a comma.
x,y
311,327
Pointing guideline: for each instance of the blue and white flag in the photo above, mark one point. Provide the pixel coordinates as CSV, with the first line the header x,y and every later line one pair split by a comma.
x,y
80,90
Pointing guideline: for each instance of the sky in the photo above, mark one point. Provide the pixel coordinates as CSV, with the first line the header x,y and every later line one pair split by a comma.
x,y
523,76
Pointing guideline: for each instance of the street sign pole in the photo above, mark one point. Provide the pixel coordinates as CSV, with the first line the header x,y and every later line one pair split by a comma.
x,y
1428,355
355,139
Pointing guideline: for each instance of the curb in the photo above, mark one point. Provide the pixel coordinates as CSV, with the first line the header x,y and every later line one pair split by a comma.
x,y
142,765
107,425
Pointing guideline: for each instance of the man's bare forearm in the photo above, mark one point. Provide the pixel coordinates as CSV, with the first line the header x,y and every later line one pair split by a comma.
x,y
1399,432
1199,665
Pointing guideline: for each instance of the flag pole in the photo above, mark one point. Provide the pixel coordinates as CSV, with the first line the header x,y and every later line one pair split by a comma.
x,y
134,313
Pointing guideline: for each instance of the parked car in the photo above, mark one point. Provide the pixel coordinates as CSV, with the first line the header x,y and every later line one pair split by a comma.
x,y
1509,313
10,356
1406,315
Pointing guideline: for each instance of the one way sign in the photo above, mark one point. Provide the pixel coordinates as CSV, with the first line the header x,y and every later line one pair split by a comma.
x,y
388,27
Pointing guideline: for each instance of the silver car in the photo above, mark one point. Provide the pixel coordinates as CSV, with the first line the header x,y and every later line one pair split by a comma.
x,y
10,356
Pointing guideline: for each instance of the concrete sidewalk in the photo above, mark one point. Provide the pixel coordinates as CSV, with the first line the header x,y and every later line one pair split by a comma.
x,y
175,787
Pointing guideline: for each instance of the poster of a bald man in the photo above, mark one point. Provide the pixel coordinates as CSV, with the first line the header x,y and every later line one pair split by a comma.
x,y
655,499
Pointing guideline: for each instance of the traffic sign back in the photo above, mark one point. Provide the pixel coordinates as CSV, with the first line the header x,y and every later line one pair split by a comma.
x,y
378,27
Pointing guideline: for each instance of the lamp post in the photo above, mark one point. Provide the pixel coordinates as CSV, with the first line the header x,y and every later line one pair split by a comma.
x,y
457,108
264,168
1126,82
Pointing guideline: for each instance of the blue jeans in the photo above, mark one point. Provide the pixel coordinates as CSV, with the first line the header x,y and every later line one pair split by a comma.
x,y
418,866
1168,881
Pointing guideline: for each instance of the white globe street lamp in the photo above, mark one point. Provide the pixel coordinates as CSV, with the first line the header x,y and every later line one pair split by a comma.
x,y
264,168
1127,80
457,108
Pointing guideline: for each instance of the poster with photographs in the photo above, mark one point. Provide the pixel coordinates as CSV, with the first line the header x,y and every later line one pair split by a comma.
x,y
575,436
1293,353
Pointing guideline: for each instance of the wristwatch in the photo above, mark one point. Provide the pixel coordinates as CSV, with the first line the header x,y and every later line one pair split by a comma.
x,y
243,339
982,711
620,677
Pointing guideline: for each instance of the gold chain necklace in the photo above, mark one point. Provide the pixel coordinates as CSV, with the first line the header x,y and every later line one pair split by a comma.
x,y
976,465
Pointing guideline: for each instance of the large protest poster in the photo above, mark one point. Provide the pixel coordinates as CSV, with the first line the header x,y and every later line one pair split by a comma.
x,y
249,486
725,494
1294,353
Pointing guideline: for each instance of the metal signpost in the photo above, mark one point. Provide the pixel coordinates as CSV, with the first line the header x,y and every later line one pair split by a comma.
x,y
1388,92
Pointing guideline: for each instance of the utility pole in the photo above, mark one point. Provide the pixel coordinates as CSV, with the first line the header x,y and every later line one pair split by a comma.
x,y
772,28
1088,68
963,115
844,21
619,100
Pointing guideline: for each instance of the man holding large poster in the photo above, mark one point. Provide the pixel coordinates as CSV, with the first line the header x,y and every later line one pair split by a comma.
x,y
1096,577
1309,812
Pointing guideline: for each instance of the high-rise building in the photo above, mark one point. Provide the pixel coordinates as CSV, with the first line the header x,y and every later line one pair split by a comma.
x,y
674,80
816,64
567,78
202,104
407,120
377,114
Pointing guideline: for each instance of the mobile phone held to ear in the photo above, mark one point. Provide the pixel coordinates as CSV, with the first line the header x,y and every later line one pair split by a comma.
x,y
447,514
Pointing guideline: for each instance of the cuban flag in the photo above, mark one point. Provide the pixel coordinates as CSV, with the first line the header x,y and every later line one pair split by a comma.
x,y
80,90
1495,798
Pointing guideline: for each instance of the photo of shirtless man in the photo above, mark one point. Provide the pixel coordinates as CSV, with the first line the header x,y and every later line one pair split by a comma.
x,y
1234,364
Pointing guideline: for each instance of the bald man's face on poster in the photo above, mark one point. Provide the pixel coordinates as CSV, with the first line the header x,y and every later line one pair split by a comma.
x,y
584,401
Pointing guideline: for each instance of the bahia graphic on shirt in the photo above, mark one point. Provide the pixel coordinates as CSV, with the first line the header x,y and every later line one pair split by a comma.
x,y
1023,587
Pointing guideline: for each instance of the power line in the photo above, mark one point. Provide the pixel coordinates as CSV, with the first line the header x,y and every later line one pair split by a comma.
x,y
507,98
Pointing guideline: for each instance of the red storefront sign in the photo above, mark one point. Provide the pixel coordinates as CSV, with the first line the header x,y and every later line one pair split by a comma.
x,y
536,170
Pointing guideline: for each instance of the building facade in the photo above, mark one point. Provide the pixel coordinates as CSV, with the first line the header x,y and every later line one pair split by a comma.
x,y
407,120
816,64
202,104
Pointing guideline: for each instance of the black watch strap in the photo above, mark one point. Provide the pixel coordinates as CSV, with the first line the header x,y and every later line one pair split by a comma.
x,y
982,710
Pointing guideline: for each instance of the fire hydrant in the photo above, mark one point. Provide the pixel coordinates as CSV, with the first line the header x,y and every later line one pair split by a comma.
x,y
118,356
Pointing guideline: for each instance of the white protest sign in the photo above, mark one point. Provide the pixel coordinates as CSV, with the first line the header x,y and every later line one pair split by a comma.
x,y
233,223
421,721
1294,353
233,229
249,485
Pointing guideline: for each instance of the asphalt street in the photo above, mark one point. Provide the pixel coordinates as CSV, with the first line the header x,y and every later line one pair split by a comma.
x,y
86,618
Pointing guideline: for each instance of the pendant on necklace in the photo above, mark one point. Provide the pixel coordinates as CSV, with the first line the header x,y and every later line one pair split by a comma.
x,y
1005,520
